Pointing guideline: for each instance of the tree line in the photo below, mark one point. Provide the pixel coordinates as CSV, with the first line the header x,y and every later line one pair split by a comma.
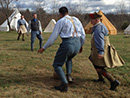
x,y
120,21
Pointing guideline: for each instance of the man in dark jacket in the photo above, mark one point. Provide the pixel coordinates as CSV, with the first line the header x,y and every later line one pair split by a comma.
x,y
36,31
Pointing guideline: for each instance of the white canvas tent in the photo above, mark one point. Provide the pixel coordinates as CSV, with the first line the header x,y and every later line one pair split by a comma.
x,y
50,26
127,30
14,17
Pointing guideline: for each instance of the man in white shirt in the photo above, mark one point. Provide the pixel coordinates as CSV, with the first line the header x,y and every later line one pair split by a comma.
x,y
72,34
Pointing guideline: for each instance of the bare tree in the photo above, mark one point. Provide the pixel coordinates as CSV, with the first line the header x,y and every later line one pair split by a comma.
x,y
5,5
39,4
77,7
74,8
121,9
56,5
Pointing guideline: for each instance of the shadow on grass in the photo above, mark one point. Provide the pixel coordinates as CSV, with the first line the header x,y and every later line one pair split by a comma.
x,y
80,82
8,40
32,80
19,49
47,82
39,81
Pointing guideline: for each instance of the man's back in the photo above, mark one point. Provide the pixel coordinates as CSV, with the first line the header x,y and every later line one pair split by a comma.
x,y
68,26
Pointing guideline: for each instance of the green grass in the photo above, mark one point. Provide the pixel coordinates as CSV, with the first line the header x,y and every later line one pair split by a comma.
x,y
26,74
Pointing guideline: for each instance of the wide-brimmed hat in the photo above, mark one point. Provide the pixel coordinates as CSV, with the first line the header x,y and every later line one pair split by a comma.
x,y
95,15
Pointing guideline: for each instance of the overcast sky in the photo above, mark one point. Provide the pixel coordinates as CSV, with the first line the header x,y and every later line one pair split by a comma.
x,y
88,6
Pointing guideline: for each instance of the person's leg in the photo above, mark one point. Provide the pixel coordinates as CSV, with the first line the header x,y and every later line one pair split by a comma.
x,y
33,37
23,37
19,34
39,36
60,58
100,77
69,66
113,81
75,49
69,70
106,74
68,49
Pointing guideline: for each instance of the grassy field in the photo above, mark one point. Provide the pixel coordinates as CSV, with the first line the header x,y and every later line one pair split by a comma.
x,y
26,74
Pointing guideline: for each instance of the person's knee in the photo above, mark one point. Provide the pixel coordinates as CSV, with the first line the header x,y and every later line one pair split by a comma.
x,y
32,41
99,70
55,66
102,71
104,74
41,39
69,62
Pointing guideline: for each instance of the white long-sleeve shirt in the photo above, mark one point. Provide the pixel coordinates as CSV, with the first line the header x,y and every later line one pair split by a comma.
x,y
65,29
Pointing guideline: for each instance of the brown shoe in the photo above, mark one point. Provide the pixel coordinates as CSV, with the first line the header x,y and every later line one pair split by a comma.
x,y
69,78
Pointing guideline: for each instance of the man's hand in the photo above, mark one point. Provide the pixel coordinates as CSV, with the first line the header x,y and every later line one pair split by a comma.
x,y
40,32
100,56
41,50
81,49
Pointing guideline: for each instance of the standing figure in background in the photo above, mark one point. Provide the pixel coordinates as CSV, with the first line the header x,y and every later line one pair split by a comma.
x,y
36,31
21,27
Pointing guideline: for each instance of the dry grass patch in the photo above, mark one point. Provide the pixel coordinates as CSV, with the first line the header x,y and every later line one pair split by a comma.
x,y
26,74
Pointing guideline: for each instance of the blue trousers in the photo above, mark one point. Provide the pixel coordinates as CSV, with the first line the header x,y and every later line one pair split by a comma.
x,y
67,50
35,34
